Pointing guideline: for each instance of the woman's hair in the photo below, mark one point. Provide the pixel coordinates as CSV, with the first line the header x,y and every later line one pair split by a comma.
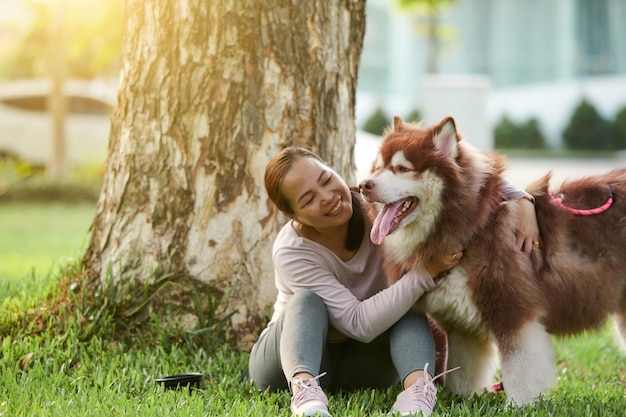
x,y
275,172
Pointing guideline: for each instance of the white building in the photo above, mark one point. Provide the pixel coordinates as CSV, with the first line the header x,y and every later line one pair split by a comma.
x,y
522,58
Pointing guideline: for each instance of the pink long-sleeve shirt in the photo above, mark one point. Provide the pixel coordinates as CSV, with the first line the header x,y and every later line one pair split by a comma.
x,y
360,304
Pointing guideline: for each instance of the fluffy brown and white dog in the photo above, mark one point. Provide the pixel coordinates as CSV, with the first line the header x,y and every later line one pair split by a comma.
x,y
432,191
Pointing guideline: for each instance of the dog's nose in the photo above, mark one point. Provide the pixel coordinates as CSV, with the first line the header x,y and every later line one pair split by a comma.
x,y
366,185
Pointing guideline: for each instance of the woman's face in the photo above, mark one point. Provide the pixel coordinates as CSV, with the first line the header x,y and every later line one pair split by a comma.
x,y
318,196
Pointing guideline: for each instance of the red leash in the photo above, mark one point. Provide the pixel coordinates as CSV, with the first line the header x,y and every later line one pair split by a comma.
x,y
580,212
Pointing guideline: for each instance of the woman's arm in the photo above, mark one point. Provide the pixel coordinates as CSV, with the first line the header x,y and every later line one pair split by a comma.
x,y
361,320
527,230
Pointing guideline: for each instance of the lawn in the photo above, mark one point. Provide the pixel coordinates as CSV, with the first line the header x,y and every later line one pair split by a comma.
x,y
63,373
36,238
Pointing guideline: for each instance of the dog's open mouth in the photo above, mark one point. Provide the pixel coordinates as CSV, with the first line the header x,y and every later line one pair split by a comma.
x,y
390,217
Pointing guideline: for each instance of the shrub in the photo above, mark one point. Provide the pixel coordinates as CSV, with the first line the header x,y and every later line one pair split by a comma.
x,y
530,135
23,181
414,116
377,122
619,129
504,133
587,129
509,135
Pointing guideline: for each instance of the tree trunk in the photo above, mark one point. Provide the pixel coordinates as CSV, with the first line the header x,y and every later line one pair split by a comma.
x,y
209,91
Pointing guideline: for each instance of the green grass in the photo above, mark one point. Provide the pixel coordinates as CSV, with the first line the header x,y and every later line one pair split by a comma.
x,y
63,373
100,378
36,240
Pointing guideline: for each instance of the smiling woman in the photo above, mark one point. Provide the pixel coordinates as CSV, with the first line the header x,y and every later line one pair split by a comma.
x,y
334,312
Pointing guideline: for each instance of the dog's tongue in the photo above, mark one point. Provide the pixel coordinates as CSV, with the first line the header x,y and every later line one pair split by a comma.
x,y
382,222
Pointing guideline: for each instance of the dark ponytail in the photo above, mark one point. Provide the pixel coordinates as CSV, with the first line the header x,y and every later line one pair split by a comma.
x,y
356,224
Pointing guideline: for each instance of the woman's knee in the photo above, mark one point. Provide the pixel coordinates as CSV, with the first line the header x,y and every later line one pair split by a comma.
x,y
413,322
308,301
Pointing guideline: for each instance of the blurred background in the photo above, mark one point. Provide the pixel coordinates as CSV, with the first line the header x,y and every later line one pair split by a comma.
x,y
60,62
497,61
538,80
543,81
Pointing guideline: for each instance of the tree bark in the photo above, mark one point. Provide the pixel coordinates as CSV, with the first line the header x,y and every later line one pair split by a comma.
x,y
209,91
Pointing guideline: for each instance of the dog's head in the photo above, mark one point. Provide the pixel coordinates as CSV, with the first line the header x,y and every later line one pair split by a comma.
x,y
413,171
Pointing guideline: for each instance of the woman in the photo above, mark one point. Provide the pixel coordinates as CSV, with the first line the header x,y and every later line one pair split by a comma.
x,y
334,311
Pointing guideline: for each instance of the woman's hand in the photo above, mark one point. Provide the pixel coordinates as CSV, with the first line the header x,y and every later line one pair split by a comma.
x,y
526,230
444,262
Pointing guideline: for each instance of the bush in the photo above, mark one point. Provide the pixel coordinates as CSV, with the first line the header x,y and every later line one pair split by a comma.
x,y
23,181
414,116
531,136
504,133
509,135
587,129
619,129
377,122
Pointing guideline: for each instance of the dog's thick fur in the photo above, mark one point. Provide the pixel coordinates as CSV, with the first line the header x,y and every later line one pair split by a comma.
x,y
498,299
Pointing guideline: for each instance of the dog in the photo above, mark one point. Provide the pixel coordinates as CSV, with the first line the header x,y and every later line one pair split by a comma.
x,y
430,190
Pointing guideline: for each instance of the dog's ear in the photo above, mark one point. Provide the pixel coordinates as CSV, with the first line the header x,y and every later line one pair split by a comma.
x,y
445,137
398,123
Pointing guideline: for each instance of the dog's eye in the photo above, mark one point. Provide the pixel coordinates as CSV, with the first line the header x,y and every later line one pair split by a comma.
x,y
403,169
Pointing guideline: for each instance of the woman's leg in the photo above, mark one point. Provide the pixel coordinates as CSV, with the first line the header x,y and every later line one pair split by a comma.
x,y
406,347
412,347
362,365
412,344
294,344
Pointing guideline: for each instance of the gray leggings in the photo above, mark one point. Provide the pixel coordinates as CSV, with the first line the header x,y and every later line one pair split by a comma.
x,y
297,343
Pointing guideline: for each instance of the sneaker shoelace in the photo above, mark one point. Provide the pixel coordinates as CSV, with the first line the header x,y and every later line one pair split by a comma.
x,y
305,391
441,374
426,394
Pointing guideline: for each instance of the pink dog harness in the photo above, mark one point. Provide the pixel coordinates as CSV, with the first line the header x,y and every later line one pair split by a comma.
x,y
581,212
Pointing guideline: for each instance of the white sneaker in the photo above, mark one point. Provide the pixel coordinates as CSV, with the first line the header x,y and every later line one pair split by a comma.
x,y
308,399
418,399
